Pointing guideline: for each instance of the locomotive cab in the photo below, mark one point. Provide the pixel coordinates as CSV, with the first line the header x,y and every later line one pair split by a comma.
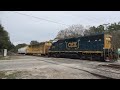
x,y
109,53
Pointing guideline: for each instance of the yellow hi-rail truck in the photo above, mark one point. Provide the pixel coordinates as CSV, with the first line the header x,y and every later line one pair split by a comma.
x,y
39,49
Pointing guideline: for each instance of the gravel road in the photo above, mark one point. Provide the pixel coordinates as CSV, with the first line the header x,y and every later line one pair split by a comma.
x,y
33,67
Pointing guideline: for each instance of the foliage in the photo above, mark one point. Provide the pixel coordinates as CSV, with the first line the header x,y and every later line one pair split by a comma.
x,y
19,46
34,42
5,42
72,31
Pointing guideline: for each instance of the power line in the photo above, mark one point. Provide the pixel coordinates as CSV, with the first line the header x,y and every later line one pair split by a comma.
x,y
77,17
93,19
40,18
80,18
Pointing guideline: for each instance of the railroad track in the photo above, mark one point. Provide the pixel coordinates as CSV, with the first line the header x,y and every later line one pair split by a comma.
x,y
115,66
93,73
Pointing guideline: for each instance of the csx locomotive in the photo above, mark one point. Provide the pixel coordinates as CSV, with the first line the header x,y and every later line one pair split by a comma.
x,y
93,47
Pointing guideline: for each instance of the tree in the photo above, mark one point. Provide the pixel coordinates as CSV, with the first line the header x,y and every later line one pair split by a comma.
x,y
5,42
72,31
21,45
86,32
100,29
34,42
94,30
114,27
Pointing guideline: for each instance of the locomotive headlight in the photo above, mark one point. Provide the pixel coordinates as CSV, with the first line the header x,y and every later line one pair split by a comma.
x,y
108,39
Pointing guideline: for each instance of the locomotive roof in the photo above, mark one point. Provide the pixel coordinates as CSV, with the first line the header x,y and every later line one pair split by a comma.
x,y
84,36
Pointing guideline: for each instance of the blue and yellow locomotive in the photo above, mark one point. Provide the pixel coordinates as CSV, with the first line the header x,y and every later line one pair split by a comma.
x,y
93,47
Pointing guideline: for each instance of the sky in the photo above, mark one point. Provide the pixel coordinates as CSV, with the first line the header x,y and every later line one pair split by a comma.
x,y
44,25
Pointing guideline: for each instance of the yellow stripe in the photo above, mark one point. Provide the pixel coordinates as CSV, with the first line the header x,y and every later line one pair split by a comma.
x,y
79,51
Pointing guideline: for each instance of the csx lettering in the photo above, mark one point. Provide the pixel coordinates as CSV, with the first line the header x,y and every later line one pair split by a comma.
x,y
72,44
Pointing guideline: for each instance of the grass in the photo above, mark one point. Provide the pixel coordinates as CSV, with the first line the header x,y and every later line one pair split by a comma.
x,y
2,74
5,58
13,75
